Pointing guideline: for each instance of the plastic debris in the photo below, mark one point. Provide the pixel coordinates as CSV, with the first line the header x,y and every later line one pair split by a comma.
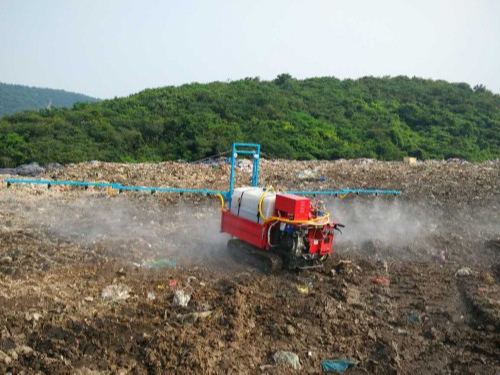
x,y
381,281
164,263
322,178
306,174
441,258
465,271
172,283
151,296
302,289
116,292
488,278
284,358
181,298
35,317
337,365
414,318
193,317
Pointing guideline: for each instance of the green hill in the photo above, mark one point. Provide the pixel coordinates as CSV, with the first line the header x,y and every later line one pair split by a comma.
x,y
324,118
17,98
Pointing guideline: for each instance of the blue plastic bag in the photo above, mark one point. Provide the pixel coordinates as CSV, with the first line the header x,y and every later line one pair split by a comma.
x,y
337,365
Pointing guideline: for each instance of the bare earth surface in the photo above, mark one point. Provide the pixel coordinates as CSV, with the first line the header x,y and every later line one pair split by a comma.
x,y
66,253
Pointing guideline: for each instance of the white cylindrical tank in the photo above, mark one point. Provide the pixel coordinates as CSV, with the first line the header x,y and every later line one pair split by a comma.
x,y
245,203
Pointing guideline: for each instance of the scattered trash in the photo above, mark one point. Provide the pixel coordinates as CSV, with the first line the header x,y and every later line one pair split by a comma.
x,y
303,289
151,296
160,287
307,174
181,298
193,317
30,170
265,367
172,283
410,160
440,258
164,263
381,280
6,259
284,358
116,292
88,299
344,267
5,358
465,271
488,278
414,318
189,279
35,317
337,365
322,178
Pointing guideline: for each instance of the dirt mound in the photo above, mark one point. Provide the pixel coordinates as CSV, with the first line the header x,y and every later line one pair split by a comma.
x,y
88,280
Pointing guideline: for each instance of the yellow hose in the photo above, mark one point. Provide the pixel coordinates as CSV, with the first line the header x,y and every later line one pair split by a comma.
x,y
273,218
222,200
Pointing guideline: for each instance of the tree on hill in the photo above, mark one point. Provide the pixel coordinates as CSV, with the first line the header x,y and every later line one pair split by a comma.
x,y
325,118
17,98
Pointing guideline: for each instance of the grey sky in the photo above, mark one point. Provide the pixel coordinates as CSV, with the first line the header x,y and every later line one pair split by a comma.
x,y
108,48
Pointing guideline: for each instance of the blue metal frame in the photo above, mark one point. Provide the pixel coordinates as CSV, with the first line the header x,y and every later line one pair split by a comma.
x,y
246,149
346,191
238,148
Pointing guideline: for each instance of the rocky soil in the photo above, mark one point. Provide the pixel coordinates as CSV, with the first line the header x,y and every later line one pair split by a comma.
x,y
92,281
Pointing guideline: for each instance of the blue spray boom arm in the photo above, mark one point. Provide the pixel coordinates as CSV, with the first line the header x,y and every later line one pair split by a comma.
x,y
252,149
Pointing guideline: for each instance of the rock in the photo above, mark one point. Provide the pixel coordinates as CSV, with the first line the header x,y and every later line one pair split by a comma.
x,y
289,359
116,292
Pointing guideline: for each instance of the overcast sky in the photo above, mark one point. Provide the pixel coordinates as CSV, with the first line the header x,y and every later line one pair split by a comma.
x,y
108,48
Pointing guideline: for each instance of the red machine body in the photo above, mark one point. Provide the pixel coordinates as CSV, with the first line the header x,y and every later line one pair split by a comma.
x,y
297,231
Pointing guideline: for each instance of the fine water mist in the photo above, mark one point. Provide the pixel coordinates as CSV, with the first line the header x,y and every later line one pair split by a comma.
x,y
147,229
376,219
138,231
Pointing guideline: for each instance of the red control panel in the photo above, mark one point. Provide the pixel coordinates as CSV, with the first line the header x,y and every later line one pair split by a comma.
x,y
293,205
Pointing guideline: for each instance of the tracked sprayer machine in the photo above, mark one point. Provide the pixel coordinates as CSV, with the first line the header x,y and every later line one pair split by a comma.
x,y
287,229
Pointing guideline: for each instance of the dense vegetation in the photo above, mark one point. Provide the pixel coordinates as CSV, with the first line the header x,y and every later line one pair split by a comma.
x,y
16,98
324,118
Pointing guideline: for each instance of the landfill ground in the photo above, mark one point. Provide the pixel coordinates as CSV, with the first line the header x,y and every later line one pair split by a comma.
x,y
80,291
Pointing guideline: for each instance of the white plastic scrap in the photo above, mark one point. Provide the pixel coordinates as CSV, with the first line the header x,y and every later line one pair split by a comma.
x,y
465,271
287,359
116,292
181,298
